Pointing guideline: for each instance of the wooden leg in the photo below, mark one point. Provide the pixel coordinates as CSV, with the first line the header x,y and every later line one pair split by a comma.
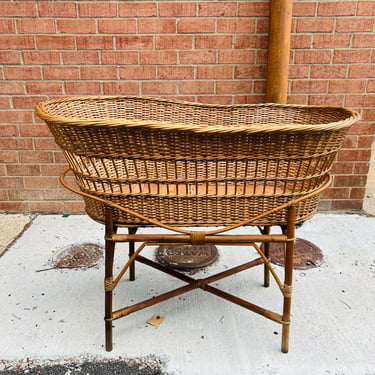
x,y
109,257
132,230
288,279
266,230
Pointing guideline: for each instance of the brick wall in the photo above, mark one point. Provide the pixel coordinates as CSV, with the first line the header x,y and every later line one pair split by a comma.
x,y
208,51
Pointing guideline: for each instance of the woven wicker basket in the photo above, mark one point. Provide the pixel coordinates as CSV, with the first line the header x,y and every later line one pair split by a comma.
x,y
193,164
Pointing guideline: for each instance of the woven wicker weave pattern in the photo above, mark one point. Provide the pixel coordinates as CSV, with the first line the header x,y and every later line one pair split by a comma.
x,y
193,164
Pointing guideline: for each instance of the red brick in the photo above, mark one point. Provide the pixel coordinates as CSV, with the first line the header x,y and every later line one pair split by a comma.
x,y
315,25
355,180
251,41
233,87
81,57
253,9
76,26
198,57
41,182
309,86
236,57
365,141
51,169
330,41
8,130
158,57
262,26
98,42
25,195
196,87
4,102
336,193
16,116
113,26
15,42
368,115
366,8
11,87
100,72
14,206
45,144
123,88
362,71
337,8
371,86
328,71
304,9
44,87
176,72
11,183
297,41
363,41
19,9
214,72
350,141
361,168
296,71
119,57
196,26
55,42
8,156
215,99
159,87
348,204
177,9
250,71
46,207
23,170
213,41
35,157
27,101
351,56
82,88
60,73
41,130
157,26
7,26
357,193
10,57
175,42
345,86
362,127
217,9
138,72
235,25
328,100
342,168
22,72
36,26
137,42
41,57
354,155
74,207
57,9
360,100
138,9
313,57
352,25
97,9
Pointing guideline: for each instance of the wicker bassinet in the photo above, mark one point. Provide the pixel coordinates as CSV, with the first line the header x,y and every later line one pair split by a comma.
x,y
195,164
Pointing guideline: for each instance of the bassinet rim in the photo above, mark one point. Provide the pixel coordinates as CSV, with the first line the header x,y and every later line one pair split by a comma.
x,y
272,127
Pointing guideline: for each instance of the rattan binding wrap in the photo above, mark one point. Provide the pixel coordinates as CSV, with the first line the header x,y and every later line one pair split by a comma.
x,y
196,164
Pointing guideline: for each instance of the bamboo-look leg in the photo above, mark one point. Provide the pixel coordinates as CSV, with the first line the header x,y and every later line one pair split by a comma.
x,y
132,230
109,257
266,231
288,279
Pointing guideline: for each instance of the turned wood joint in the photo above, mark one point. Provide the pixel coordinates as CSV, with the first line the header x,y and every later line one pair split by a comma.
x,y
198,237
109,284
287,291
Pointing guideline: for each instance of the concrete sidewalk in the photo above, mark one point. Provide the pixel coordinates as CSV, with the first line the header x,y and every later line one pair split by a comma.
x,y
55,316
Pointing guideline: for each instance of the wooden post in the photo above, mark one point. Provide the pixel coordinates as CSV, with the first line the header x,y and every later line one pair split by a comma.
x,y
279,50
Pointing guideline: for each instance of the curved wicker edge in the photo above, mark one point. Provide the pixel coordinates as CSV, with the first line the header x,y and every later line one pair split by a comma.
x,y
154,222
164,125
